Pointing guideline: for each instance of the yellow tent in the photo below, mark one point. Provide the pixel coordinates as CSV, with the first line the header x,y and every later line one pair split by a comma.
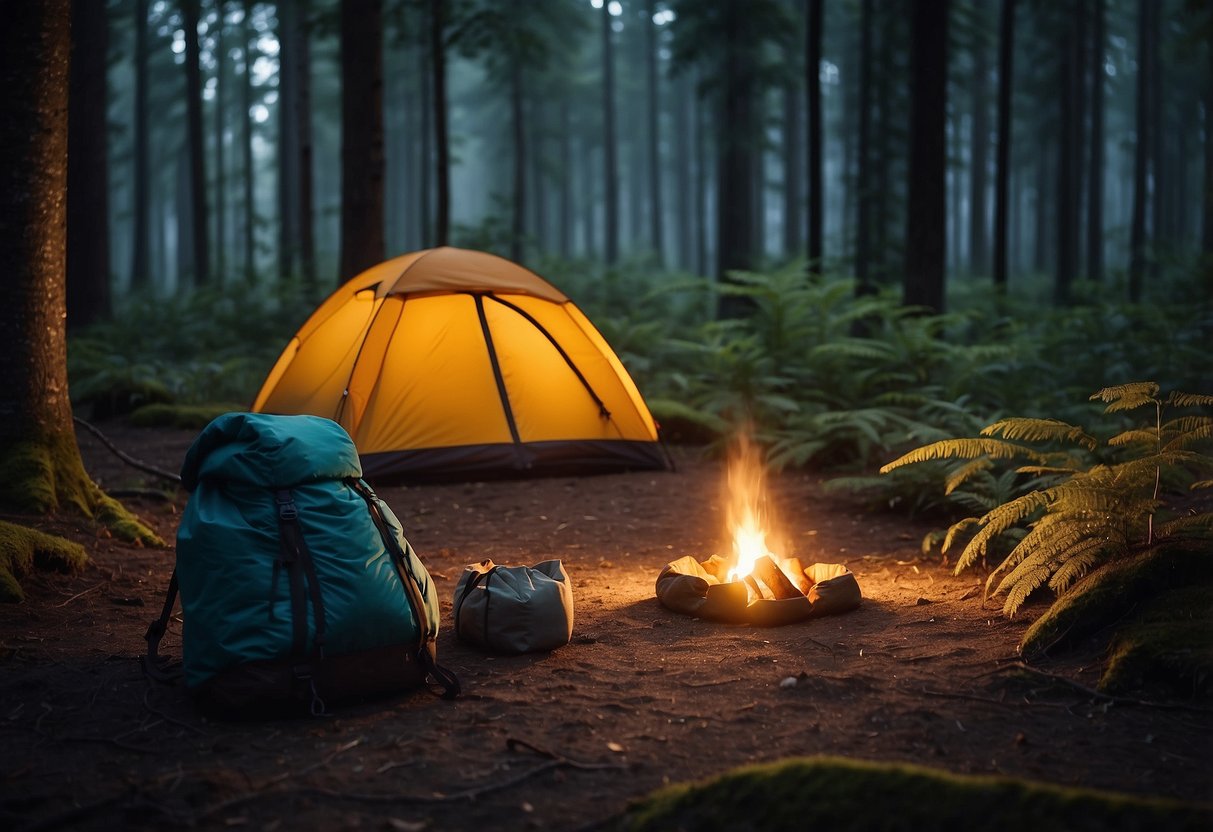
x,y
450,363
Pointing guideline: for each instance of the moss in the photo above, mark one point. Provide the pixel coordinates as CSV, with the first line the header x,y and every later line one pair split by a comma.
x,y
841,794
190,416
1104,597
23,549
27,479
1167,645
124,525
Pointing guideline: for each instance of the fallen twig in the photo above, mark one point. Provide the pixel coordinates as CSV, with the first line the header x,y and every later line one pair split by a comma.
x,y
125,457
79,594
1107,697
709,684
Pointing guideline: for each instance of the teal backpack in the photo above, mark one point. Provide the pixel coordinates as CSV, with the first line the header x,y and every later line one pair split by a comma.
x,y
297,584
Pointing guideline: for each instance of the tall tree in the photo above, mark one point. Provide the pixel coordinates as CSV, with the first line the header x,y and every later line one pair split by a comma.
x,y
88,250
246,120
978,148
816,171
1067,173
610,173
926,248
40,465
792,148
296,246
863,184
219,129
141,184
1095,195
442,163
1206,237
1006,53
683,127
362,162
1141,156
196,150
654,136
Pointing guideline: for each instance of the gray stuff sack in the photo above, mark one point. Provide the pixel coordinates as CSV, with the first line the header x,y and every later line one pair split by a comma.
x,y
514,609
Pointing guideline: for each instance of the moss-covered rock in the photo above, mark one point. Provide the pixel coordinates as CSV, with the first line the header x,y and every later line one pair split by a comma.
x,y
23,549
1167,645
1104,597
839,794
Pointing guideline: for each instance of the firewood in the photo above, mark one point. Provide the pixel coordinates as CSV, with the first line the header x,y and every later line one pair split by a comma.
x,y
774,579
756,593
793,569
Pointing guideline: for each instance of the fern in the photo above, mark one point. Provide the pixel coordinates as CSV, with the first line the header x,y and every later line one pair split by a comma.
x,y
1178,399
1127,396
964,449
998,521
966,472
1040,430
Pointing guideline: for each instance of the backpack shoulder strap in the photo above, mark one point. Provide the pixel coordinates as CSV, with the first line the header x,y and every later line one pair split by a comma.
x,y
154,666
427,648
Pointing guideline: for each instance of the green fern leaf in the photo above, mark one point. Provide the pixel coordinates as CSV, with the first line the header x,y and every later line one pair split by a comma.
x,y
1178,399
1045,470
1145,436
1024,587
963,449
1040,430
1196,486
1078,563
998,521
965,472
1192,432
1201,524
955,529
1127,396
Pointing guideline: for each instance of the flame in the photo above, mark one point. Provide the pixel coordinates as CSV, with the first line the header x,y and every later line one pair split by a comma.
x,y
746,520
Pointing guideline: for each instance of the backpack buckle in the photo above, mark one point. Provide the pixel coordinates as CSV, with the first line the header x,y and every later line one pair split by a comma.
x,y
287,510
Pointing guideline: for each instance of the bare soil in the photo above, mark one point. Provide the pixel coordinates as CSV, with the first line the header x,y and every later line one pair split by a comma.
x,y
923,672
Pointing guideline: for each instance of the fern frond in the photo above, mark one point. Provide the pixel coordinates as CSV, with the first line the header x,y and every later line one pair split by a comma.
x,y
1051,533
963,449
1077,563
966,472
1146,436
955,529
1200,523
1045,470
1178,399
1040,430
1024,587
1194,430
1127,396
998,521
1196,486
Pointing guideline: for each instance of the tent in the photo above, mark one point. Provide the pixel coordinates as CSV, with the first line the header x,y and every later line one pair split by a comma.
x,y
456,364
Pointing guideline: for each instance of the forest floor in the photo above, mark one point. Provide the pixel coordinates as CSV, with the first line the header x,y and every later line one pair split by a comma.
x,y
922,672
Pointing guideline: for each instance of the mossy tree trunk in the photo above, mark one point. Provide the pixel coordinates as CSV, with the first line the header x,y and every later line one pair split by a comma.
x,y
40,465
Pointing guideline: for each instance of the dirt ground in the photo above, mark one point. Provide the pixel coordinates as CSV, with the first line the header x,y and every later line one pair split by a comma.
x,y
922,672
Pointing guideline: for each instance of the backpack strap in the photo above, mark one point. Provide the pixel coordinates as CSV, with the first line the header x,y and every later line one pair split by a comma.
x,y
154,666
300,566
427,651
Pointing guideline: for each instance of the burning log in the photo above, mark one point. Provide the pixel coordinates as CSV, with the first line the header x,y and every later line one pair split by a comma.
x,y
796,574
755,589
766,571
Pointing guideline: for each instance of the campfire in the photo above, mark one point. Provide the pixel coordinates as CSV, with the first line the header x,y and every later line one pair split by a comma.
x,y
754,584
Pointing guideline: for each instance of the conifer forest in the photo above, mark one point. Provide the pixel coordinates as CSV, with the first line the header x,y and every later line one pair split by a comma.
x,y
911,294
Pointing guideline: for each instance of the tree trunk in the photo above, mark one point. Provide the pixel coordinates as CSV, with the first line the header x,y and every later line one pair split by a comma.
x,y
246,91
1067,192
1095,232
610,175
654,137
362,167
140,273
442,219
683,126
700,115
1158,174
517,116
736,247
815,169
305,147
863,283
566,180
1137,233
792,176
196,149
288,139
979,144
1006,52
88,251
220,126
926,249
425,146
1206,237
